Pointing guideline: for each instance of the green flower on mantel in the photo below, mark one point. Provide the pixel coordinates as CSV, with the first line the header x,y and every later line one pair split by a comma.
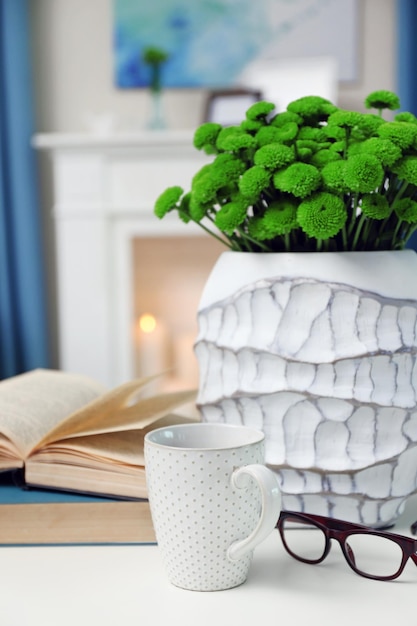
x,y
312,178
155,57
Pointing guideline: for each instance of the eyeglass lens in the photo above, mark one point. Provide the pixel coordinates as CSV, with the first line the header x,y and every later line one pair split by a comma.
x,y
309,547
369,554
374,555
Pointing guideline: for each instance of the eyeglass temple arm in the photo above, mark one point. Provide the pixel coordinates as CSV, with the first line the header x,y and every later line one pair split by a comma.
x,y
413,529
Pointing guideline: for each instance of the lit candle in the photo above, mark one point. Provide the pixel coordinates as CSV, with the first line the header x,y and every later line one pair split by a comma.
x,y
150,345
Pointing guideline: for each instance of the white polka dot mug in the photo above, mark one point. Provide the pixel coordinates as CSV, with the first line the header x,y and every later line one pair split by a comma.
x,y
212,501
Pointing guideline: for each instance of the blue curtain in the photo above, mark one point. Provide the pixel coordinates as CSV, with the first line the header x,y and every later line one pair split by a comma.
x,y
23,324
407,54
406,64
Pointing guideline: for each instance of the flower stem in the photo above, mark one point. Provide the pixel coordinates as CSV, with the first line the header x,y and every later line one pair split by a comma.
x,y
226,242
396,231
287,242
400,192
347,135
358,231
353,218
344,238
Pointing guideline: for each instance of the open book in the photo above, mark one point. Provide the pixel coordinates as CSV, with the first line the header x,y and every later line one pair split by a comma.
x,y
67,433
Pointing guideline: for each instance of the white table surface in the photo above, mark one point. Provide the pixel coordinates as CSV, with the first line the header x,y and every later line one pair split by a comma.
x,y
126,585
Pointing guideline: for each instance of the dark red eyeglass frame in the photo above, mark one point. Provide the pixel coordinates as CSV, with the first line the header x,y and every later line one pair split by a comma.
x,y
340,531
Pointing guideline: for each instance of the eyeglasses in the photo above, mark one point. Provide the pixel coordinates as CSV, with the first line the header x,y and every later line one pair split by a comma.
x,y
371,553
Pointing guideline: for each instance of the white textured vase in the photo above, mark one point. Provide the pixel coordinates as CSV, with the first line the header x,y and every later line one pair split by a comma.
x,y
319,351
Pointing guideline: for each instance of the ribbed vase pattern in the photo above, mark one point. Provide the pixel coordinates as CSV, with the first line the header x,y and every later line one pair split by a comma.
x,y
328,371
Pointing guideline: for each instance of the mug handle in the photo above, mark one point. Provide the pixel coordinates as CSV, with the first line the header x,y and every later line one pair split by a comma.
x,y
271,506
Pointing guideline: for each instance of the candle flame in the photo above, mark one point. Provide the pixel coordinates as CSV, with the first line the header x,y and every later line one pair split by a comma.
x,y
147,323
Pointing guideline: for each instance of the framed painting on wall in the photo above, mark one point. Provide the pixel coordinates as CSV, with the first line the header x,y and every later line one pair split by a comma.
x,y
211,43
228,106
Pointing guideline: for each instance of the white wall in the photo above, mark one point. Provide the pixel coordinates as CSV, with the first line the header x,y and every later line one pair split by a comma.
x,y
74,71
72,54
72,42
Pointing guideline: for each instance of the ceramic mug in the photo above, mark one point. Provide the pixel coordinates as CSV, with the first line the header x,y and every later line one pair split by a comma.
x,y
212,501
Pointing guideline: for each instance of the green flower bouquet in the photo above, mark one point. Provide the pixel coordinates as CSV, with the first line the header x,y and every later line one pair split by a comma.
x,y
155,59
312,178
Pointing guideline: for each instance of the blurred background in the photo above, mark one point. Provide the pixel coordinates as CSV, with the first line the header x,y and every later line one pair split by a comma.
x,y
82,258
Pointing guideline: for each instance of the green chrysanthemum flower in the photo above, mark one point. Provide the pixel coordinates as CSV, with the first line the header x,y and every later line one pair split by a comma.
x,y
280,218
406,209
356,135
323,157
253,182
338,147
230,216
311,133
322,216
282,119
355,147
205,136
344,119
271,162
198,210
375,206
406,169
286,133
384,149
333,175
382,100
184,208
259,110
312,108
304,154
204,190
227,168
241,142
300,179
368,124
405,116
251,126
402,134
273,156
233,139
225,133
167,201
268,134
363,173
333,133
308,144
154,56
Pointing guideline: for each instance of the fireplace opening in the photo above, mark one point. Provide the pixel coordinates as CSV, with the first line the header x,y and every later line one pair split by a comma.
x,y
169,274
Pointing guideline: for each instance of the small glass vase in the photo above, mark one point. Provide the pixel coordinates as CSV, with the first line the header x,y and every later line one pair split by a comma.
x,y
157,117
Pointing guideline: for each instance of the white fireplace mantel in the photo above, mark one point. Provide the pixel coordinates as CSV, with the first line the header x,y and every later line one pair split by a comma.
x,y
104,188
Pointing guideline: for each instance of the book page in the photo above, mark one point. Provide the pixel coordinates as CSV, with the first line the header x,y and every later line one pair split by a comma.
x,y
111,463
31,404
121,409
10,458
124,447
